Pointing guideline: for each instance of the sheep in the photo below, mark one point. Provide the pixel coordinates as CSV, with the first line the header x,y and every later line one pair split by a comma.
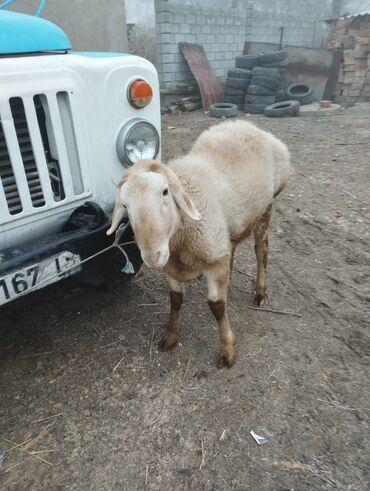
x,y
189,216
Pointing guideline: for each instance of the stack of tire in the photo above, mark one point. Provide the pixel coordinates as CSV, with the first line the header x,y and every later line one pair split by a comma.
x,y
268,72
236,85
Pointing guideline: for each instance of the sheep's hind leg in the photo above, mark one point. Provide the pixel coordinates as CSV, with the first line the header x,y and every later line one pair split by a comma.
x,y
218,282
172,334
261,249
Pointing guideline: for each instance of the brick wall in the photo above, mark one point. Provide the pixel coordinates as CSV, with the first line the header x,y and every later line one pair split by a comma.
x,y
222,35
352,36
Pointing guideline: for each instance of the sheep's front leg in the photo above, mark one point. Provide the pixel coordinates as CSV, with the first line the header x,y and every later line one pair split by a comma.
x,y
261,249
218,282
172,334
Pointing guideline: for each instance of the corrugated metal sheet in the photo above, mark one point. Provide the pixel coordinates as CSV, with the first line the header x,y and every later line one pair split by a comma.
x,y
210,88
351,16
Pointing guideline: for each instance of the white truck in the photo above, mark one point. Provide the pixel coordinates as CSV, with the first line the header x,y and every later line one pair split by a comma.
x,y
69,123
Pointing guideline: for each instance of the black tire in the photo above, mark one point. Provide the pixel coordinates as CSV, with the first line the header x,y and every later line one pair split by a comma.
x,y
280,95
258,90
300,92
254,108
232,91
223,110
260,99
279,109
271,57
277,64
268,82
266,72
284,84
237,83
235,99
239,73
246,61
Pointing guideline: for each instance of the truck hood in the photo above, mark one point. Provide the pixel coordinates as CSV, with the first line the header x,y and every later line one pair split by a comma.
x,y
21,33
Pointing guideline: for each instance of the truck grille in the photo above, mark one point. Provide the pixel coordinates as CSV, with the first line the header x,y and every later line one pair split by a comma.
x,y
39,159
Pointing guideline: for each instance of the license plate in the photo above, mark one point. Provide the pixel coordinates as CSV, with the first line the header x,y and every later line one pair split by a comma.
x,y
36,276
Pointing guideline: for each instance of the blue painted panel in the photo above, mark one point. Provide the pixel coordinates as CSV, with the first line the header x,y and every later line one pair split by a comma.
x,y
21,33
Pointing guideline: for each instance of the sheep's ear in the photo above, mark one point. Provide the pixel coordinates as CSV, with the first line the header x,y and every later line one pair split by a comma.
x,y
118,214
182,200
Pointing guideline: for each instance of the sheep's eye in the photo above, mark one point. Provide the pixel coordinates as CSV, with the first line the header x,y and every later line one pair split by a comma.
x,y
165,192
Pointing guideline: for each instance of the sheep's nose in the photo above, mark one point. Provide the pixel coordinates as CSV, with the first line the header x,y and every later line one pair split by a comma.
x,y
154,259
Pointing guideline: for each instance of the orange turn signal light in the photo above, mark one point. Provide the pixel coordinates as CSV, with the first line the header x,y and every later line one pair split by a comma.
x,y
140,93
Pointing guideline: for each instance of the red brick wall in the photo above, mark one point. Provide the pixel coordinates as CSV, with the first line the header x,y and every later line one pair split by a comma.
x,y
352,36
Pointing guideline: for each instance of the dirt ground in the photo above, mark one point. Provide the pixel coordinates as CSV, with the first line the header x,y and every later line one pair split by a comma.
x,y
95,405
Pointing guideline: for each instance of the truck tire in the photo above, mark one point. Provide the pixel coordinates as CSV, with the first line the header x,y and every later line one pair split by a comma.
x,y
233,91
300,92
260,99
254,108
223,110
279,109
268,82
237,83
246,61
259,90
271,57
266,72
239,73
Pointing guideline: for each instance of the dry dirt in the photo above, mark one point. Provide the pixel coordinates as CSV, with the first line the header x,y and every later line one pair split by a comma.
x,y
102,409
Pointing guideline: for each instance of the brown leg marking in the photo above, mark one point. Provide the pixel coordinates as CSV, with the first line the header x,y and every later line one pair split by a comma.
x,y
261,249
226,355
171,336
233,247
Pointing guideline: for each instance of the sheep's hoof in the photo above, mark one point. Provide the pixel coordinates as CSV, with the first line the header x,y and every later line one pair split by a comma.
x,y
225,357
259,299
168,342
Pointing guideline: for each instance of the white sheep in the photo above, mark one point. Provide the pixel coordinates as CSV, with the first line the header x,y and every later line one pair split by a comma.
x,y
188,216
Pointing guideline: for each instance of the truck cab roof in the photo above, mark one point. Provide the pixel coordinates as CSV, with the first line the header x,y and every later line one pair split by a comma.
x,y
21,33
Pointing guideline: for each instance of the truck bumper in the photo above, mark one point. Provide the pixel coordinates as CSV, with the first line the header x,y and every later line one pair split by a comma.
x,y
83,236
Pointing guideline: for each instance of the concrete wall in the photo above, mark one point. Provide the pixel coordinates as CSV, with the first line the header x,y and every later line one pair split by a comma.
x,y
302,26
306,65
222,35
92,25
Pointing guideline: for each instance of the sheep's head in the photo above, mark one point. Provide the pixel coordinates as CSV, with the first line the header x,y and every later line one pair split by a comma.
x,y
155,202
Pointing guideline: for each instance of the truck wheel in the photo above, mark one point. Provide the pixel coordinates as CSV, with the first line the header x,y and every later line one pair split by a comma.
x,y
223,110
285,108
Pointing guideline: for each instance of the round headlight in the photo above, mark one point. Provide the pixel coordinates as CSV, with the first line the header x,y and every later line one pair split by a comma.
x,y
139,141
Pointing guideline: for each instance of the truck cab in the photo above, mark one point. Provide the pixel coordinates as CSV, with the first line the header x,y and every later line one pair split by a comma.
x,y
70,122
